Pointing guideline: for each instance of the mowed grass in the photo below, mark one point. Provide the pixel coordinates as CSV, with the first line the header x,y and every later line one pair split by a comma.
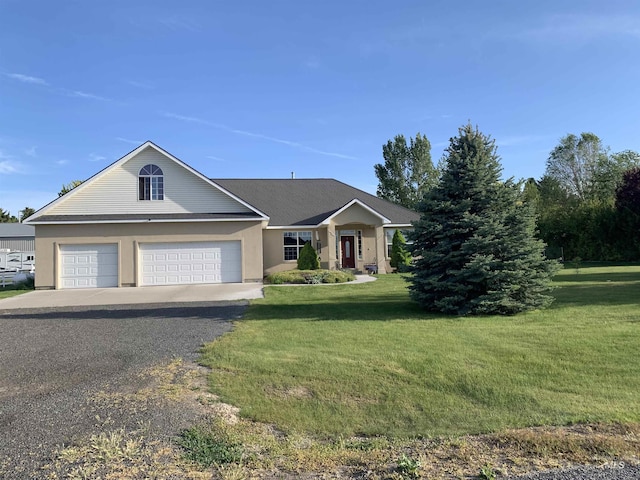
x,y
10,292
364,360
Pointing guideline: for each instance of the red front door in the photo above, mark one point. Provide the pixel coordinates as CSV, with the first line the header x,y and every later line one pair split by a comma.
x,y
348,250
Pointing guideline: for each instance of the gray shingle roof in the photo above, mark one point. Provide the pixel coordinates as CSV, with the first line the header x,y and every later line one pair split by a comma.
x,y
16,230
308,201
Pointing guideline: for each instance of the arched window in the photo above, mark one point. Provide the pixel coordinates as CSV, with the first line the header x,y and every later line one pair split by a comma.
x,y
150,183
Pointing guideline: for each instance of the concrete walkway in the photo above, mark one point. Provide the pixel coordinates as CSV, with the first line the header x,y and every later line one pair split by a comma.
x,y
133,295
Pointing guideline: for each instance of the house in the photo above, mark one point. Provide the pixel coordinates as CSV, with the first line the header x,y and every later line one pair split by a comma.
x,y
150,219
17,236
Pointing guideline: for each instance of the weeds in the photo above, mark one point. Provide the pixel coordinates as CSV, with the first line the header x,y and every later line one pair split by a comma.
x,y
208,444
408,467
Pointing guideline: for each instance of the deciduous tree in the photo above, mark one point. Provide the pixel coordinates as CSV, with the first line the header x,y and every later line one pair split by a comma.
x,y
69,186
408,171
575,161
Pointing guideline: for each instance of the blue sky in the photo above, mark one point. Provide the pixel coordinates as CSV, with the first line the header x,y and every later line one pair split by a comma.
x,y
260,89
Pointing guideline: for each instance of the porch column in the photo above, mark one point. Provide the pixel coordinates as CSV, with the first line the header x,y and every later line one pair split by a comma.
x,y
331,245
381,249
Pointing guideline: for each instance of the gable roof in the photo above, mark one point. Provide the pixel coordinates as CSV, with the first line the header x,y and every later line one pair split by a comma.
x,y
49,213
14,230
310,202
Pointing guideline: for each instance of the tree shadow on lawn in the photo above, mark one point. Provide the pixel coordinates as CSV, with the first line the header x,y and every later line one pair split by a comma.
x,y
587,277
598,294
391,307
360,307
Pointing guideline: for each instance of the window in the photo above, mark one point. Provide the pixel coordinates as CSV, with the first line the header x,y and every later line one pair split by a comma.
x,y
293,243
388,233
150,183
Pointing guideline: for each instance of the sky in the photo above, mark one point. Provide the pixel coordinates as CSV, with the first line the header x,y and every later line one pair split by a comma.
x,y
260,89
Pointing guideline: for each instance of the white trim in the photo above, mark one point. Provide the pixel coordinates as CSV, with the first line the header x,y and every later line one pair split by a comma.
x,y
399,225
294,227
160,220
126,158
384,219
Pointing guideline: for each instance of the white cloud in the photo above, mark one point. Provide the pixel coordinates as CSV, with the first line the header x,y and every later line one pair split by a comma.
x,y
580,28
90,96
8,167
246,133
96,158
217,159
31,151
62,162
128,140
27,79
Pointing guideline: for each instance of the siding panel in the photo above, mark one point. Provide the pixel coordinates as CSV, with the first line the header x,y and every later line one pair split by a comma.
x,y
117,192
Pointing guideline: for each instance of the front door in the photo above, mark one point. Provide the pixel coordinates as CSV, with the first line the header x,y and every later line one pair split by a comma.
x,y
348,250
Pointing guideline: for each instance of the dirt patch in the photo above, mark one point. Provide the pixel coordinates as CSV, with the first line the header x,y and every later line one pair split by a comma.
x,y
116,452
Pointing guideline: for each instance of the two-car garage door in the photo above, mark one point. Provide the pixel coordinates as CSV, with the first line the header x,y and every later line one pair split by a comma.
x,y
189,263
96,265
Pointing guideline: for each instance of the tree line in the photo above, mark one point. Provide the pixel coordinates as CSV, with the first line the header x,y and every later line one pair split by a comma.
x,y
587,203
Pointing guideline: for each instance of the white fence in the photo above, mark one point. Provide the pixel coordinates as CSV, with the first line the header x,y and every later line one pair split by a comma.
x,y
6,277
13,261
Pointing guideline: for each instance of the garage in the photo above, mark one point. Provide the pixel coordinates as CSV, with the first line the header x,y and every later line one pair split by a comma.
x,y
190,263
89,266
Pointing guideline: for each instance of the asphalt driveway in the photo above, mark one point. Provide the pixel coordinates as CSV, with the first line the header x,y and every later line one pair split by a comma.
x,y
54,362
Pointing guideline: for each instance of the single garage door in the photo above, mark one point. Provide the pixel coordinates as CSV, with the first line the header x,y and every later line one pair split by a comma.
x,y
189,263
89,266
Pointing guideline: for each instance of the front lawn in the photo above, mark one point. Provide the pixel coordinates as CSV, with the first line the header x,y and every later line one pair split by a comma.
x,y
363,359
10,292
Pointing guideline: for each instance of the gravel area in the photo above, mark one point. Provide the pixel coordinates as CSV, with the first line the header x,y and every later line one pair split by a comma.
x,y
610,472
54,363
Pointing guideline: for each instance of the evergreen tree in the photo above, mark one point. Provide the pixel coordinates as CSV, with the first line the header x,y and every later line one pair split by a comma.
x,y
400,256
6,217
474,248
25,213
308,258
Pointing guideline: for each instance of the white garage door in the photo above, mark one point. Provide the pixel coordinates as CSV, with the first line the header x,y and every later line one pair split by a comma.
x,y
188,263
89,266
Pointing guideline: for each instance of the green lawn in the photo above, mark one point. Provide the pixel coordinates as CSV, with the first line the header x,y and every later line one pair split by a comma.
x,y
9,292
363,359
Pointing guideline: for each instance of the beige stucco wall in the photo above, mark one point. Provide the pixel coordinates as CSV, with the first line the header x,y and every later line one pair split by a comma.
x,y
128,236
356,214
373,247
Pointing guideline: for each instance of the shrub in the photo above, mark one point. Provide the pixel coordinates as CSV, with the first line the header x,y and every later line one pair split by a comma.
x,y
400,257
208,445
309,276
308,258
338,276
24,281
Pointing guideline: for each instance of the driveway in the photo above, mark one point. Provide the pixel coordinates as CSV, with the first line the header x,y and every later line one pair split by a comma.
x,y
134,295
58,365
